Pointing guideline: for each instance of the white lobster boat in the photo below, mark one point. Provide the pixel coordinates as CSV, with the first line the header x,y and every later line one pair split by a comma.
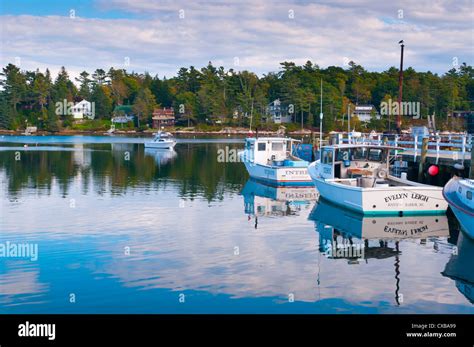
x,y
161,140
357,177
459,194
270,159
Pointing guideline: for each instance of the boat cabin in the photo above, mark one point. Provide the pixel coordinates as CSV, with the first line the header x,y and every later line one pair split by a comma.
x,y
162,136
272,151
465,192
353,161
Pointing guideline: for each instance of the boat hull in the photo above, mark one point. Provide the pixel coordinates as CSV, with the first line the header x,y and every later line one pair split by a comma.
x,y
160,145
280,176
402,200
463,213
466,221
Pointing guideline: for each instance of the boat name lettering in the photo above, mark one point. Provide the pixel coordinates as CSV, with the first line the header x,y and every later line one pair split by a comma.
x,y
405,232
405,196
396,197
295,172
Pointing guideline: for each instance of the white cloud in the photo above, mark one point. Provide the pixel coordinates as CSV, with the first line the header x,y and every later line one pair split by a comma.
x,y
260,34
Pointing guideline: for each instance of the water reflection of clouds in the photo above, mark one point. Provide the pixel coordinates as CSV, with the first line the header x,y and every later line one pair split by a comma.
x,y
20,281
183,244
167,251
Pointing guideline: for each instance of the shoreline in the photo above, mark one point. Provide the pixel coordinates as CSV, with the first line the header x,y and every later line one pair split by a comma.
x,y
236,132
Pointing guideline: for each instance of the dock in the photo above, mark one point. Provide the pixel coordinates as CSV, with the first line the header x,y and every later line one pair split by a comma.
x,y
442,149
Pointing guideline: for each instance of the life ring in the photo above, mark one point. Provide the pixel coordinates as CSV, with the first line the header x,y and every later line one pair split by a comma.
x,y
382,173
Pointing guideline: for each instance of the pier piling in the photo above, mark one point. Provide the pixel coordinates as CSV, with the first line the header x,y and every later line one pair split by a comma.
x,y
471,173
424,152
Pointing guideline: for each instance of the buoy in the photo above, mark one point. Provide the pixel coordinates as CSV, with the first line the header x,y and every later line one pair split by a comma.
x,y
433,170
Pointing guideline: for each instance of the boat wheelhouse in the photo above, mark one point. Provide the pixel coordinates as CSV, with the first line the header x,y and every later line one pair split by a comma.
x,y
459,194
270,159
358,177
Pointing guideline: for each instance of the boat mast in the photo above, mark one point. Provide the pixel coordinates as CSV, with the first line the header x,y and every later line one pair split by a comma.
x,y
321,117
400,90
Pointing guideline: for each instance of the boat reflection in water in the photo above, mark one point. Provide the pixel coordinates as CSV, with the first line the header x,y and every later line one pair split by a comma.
x,y
263,200
162,156
347,234
460,267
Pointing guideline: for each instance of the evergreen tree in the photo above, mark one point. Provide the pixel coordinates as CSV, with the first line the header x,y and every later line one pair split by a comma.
x,y
51,123
102,101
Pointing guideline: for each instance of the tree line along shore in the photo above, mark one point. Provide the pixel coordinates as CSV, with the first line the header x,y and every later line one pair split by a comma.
x,y
214,100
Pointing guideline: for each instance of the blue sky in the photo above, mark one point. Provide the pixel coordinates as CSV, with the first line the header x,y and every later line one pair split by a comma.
x,y
162,36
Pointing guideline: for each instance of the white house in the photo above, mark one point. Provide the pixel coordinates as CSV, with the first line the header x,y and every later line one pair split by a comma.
x,y
278,113
83,109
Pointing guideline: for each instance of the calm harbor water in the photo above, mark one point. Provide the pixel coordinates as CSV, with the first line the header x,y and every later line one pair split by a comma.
x,y
121,229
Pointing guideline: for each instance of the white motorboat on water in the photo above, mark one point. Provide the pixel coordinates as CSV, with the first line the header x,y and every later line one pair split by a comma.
x,y
161,140
357,177
459,194
270,159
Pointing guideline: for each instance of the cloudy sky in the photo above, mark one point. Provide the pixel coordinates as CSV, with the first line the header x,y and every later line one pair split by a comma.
x,y
162,36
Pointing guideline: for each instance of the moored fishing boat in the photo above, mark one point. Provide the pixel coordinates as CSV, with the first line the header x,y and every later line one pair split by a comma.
x,y
459,194
270,159
357,177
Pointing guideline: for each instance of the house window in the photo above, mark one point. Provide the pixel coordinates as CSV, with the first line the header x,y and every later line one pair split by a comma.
x,y
469,195
262,146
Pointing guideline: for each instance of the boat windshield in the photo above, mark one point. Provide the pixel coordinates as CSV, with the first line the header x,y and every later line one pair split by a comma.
x,y
162,135
370,154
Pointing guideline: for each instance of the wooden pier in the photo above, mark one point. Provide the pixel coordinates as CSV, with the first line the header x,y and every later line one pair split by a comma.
x,y
446,149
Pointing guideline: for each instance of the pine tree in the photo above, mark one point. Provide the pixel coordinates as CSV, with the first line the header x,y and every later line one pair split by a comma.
x,y
52,121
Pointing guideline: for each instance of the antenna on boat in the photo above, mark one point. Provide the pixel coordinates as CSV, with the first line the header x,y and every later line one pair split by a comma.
x,y
400,89
321,117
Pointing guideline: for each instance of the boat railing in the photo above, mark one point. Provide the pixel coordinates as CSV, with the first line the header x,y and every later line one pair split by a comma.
x,y
458,146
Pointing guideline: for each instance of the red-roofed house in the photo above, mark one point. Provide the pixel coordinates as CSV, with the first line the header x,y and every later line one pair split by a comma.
x,y
163,117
